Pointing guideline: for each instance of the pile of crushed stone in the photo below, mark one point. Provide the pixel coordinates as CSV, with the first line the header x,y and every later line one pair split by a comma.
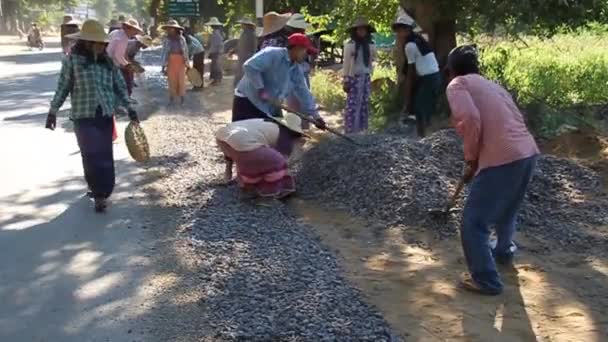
x,y
397,180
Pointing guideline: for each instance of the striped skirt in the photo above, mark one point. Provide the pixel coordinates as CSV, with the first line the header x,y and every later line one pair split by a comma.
x,y
263,171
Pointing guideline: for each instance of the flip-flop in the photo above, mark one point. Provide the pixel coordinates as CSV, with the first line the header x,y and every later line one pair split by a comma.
x,y
470,285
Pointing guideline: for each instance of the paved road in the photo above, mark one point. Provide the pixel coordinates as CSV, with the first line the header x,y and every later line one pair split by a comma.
x,y
66,274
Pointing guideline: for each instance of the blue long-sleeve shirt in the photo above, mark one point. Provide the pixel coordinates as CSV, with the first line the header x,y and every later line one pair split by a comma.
x,y
272,70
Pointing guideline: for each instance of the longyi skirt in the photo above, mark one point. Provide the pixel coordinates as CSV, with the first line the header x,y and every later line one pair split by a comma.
x,y
263,171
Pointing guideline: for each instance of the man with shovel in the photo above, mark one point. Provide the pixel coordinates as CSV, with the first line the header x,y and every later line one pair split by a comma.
x,y
501,155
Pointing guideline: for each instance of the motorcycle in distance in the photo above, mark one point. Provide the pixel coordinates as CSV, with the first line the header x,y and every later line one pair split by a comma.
x,y
35,43
34,38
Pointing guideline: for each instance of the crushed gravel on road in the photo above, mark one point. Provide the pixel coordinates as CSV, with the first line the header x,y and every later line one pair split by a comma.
x,y
397,180
264,276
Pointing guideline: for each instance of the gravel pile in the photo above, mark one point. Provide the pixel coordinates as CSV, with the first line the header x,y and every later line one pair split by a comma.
x,y
264,275
396,181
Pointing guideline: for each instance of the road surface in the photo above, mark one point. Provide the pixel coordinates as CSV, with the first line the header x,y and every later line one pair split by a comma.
x,y
66,273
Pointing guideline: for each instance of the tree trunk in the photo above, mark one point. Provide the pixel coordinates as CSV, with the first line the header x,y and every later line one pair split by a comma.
x,y
154,5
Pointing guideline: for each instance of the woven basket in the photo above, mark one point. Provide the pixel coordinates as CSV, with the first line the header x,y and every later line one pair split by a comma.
x,y
194,77
136,141
137,68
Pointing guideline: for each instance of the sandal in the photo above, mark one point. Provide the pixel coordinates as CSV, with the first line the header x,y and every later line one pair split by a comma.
x,y
100,205
470,285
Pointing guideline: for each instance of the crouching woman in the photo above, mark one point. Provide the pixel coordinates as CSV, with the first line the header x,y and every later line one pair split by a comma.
x,y
260,148
97,89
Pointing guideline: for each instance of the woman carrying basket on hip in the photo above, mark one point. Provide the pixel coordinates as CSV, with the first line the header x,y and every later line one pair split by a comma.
x,y
97,89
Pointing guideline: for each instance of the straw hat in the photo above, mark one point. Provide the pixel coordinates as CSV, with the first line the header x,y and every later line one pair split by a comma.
x,y
298,21
195,77
291,122
274,22
214,22
408,21
132,23
172,24
144,40
246,21
73,22
362,22
92,30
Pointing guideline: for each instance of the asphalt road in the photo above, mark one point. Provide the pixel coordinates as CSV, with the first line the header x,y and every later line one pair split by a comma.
x,y
66,273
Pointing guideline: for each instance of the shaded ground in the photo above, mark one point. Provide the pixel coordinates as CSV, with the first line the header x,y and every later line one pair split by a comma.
x,y
67,274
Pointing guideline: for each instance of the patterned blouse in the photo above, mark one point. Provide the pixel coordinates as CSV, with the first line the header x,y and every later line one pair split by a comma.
x,y
164,55
90,85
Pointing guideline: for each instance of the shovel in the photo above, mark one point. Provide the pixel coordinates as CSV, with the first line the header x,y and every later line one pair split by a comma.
x,y
329,129
443,213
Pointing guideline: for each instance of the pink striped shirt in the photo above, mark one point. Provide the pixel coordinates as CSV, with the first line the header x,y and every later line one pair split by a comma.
x,y
491,125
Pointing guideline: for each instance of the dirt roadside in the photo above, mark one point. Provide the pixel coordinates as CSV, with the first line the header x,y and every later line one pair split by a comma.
x,y
411,277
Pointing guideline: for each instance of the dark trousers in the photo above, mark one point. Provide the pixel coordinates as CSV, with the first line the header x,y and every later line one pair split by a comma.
x,y
495,197
198,62
243,109
426,95
95,142
129,79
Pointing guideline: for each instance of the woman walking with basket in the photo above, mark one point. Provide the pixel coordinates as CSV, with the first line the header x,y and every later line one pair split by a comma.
x,y
175,60
359,56
97,89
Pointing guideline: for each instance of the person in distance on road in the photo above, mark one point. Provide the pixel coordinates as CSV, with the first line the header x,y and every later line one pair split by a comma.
x,y
216,51
359,56
117,49
246,47
500,155
97,90
175,60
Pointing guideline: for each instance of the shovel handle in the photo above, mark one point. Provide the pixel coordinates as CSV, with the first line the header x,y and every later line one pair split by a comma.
x,y
457,192
308,119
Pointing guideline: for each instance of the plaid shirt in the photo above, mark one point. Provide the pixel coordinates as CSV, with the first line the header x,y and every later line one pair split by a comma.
x,y
89,85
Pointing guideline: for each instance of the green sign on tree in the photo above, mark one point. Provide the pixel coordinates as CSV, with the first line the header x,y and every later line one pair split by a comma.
x,y
183,8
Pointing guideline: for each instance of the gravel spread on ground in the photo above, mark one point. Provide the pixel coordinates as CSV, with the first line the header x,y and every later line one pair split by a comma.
x,y
397,180
263,274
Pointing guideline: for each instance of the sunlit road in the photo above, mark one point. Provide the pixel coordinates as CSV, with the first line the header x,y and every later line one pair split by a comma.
x,y
66,274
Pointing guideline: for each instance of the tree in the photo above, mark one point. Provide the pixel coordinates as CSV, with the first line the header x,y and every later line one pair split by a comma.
x,y
103,9
126,7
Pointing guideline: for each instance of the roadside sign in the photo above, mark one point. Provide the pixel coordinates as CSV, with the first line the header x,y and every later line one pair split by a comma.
x,y
184,8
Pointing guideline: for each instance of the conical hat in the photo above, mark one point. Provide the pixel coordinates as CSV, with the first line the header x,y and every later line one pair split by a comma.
x,y
133,24
172,24
194,77
298,21
362,22
246,21
92,31
214,22
274,22
292,122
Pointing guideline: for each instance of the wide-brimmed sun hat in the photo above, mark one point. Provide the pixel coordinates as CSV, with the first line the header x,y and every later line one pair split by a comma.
x,y
292,122
406,21
92,31
246,21
298,21
132,23
144,40
274,22
362,22
73,22
172,24
214,22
